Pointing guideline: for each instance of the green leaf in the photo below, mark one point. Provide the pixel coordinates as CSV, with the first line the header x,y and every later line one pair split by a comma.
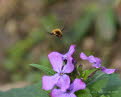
x,y
43,68
114,81
104,96
116,93
30,91
98,86
97,76
114,86
97,83
87,73
105,85
84,93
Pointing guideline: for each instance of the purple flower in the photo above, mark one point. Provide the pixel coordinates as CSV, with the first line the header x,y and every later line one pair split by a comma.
x,y
78,84
69,53
60,79
107,71
96,62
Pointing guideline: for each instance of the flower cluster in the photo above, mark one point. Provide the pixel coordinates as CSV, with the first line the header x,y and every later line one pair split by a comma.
x,y
63,64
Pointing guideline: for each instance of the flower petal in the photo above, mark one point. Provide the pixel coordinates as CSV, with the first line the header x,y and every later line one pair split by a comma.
x,y
56,93
95,60
92,59
56,61
96,65
63,82
72,95
83,56
98,60
48,82
59,93
69,53
71,50
78,84
69,67
108,71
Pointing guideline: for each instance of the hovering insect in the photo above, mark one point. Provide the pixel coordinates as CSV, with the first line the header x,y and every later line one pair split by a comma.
x,y
57,32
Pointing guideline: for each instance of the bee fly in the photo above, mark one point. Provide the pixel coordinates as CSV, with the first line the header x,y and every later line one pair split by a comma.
x,y
57,32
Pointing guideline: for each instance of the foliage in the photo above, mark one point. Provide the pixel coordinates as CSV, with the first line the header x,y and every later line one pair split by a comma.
x,y
105,85
88,73
30,91
101,85
43,68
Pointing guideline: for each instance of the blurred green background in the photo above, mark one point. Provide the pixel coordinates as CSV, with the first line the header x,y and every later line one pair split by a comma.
x,y
93,25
